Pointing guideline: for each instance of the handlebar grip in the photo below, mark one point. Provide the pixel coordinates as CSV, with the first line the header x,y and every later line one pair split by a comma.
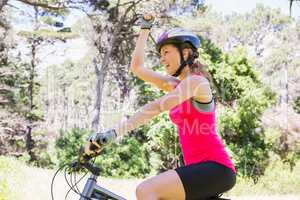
x,y
106,137
93,147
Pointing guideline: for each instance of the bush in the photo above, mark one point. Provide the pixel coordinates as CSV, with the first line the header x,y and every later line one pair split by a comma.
x,y
297,105
129,159
242,99
283,145
278,180
43,156
41,149
68,145
163,144
244,134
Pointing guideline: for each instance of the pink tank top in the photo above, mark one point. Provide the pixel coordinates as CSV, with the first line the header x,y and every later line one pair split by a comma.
x,y
198,136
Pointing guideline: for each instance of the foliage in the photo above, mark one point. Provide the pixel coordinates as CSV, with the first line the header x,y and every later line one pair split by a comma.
x,y
245,25
45,157
15,79
160,134
241,96
297,105
163,143
287,149
244,99
129,159
45,33
277,180
7,83
68,145
66,95
145,92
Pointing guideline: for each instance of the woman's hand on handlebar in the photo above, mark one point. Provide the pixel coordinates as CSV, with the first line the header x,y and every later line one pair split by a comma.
x,y
92,149
96,141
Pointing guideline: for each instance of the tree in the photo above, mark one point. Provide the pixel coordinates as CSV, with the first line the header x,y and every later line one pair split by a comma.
x,y
21,76
9,78
114,41
291,5
2,4
111,40
6,73
271,40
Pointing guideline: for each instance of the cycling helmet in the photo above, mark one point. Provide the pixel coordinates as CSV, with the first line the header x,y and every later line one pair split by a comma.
x,y
177,37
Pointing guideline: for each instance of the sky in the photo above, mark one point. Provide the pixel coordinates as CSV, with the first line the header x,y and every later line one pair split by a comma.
x,y
243,6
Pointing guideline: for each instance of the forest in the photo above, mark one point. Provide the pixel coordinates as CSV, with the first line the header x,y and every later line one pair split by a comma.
x,y
64,74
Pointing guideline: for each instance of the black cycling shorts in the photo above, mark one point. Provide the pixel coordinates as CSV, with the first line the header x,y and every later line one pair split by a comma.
x,y
204,180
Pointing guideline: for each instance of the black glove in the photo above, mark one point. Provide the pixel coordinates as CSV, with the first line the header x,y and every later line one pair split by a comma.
x,y
103,138
97,140
146,22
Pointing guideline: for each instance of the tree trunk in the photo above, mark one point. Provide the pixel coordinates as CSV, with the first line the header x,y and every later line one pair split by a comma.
x,y
291,4
2,4
30,143
29,140
65,108
99,89
101,72
31,76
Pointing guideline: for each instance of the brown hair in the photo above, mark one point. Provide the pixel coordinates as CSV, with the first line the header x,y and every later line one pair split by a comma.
x,y
197,67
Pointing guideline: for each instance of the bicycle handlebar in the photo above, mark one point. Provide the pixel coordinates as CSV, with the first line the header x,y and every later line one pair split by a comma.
x,y
83,161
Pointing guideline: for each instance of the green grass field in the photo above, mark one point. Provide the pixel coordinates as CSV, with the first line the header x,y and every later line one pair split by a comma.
x,y
21,182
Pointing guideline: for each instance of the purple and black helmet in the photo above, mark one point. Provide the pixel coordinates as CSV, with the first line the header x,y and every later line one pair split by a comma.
x,y
177,36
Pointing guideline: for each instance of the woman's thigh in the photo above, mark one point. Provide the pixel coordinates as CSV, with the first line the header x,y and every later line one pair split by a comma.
x,y
205,179
165,186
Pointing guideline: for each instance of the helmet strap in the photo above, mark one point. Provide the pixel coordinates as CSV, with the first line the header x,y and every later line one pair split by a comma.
x,y
183,63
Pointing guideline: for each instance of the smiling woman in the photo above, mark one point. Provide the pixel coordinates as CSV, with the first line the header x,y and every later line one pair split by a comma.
x,y
208,170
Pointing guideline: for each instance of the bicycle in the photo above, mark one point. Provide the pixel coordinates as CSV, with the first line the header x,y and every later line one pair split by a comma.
x,y
91,190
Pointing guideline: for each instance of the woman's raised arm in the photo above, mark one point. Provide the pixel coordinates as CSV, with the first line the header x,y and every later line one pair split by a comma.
x,y
163,82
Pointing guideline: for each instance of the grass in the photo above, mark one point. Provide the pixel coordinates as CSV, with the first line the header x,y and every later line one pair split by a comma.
x,y
19,181
278,180
11,174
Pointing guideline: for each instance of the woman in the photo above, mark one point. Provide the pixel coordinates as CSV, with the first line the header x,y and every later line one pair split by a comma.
x,y
208,170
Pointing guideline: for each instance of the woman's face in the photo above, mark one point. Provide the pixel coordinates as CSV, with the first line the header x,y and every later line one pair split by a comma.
x,y
170,58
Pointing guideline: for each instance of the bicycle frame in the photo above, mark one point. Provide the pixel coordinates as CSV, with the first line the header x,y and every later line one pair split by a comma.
x,y
94,192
